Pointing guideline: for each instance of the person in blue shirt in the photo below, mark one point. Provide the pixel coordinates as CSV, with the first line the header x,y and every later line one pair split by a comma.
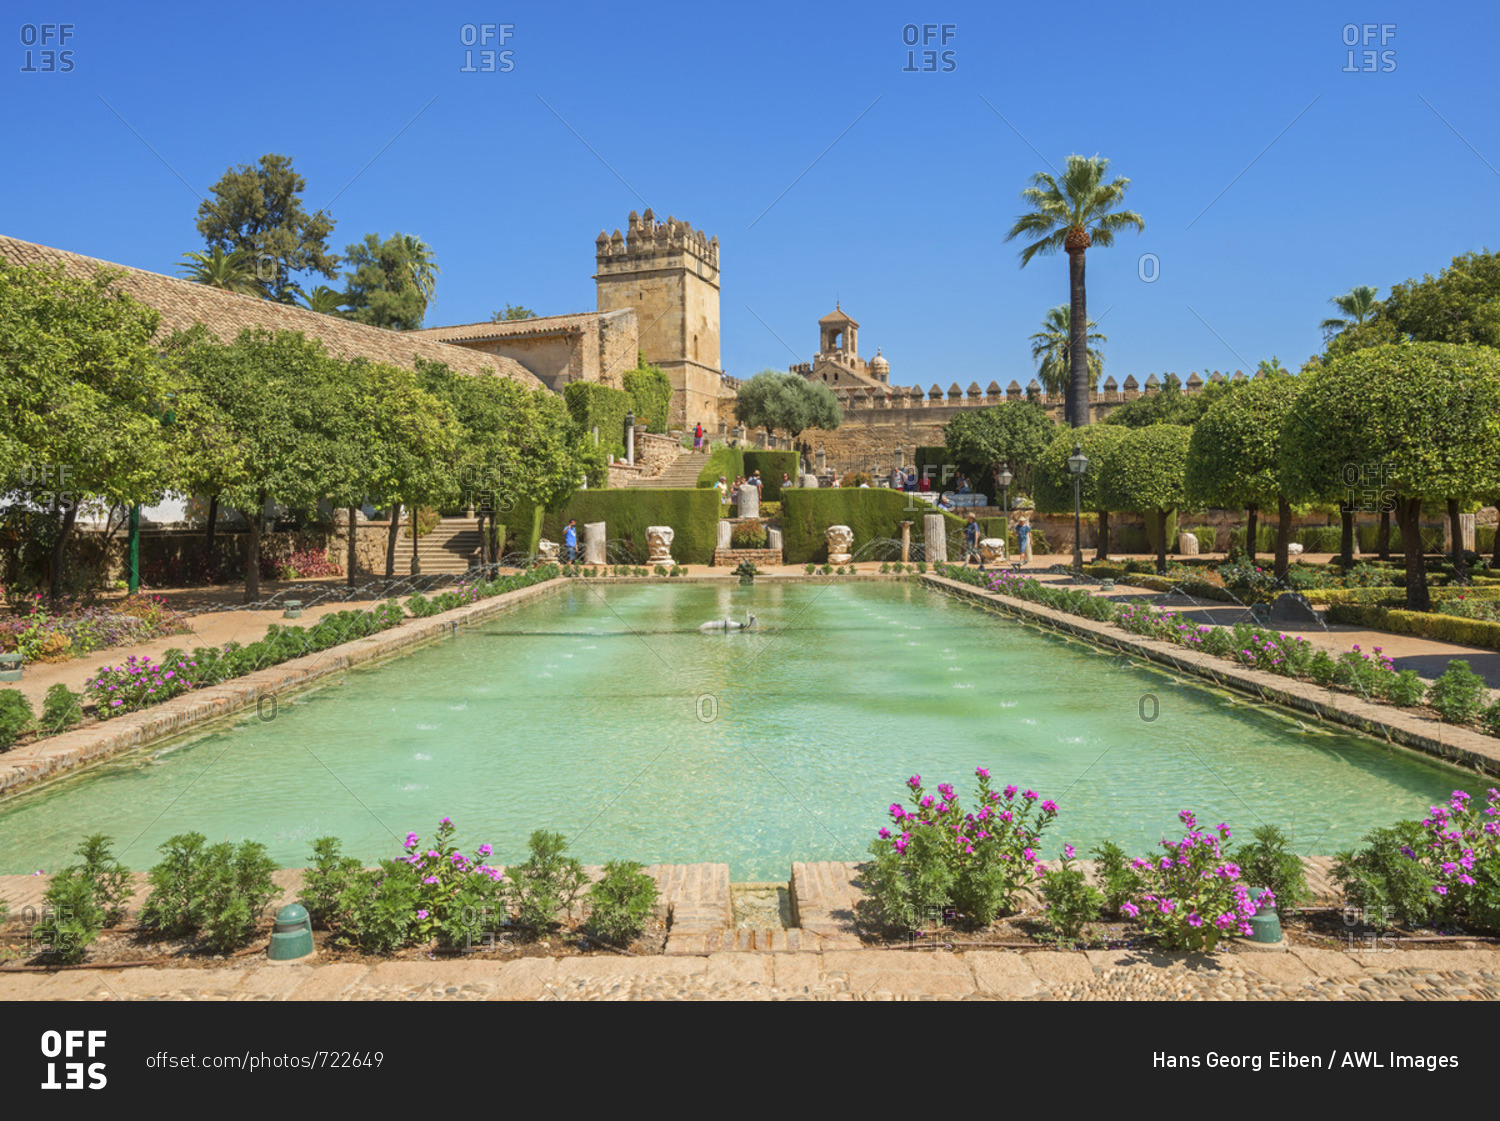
x,y
1023,541
971,542
570,541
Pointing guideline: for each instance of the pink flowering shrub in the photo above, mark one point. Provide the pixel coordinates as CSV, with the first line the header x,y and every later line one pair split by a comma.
x,y
935,861
431,892
1462,854
1193,895
139,682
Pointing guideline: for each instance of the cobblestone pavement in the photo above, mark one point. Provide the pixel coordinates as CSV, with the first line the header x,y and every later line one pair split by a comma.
x,y
1292,974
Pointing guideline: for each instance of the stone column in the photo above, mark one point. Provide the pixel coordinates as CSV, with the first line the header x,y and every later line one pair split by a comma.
x,y
905,542
593,543
820,462
749,500
630,446
724,530
934,538
773,538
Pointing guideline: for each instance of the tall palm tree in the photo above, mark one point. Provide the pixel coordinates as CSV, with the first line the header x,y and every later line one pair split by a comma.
x,y
1073,215
1049,350
1359,303
233,271
423,270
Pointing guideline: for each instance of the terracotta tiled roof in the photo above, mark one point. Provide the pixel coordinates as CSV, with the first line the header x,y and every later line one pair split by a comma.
x,y
183,303
519,328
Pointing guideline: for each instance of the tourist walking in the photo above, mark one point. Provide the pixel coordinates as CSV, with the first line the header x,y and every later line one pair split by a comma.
x,y
570,541
1023,541
758,481
723,488
786,480
697,437
971,542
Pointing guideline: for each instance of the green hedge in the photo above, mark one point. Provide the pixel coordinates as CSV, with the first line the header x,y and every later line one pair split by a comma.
x,y
1142,539
771,464
693,514
873,513
1440,628
722,460
593,405
1396,596
650,393
1206,535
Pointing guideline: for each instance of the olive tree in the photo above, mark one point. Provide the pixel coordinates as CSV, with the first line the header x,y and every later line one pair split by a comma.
x,y
1234,456
1013,433
1147,471
1054,482
1428,414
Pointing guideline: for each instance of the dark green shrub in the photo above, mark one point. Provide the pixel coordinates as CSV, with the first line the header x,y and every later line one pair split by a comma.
x,y
621,902
1408,689
15,716
594,405
1321,668
61,709
1491,719
1381,875
810,569
545,884
1458,694
694,514
650,393
872,514
377,910
1071,902
748,535
326,880
726,461
1120,881
1268,861
71,921
218,891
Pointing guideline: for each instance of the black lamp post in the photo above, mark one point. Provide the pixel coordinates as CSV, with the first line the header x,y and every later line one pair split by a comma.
x,y
1078,463
1003,477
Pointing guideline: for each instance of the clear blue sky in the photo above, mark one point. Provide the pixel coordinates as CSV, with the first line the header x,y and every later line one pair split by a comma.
x,y
888,190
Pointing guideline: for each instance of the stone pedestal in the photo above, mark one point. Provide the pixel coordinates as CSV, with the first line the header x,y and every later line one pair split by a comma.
x,y
1465,532
773,538
725,529
905,542
934,538
840,542
546,551
991,550
659,542
593,543
809,480
1187,545
748,499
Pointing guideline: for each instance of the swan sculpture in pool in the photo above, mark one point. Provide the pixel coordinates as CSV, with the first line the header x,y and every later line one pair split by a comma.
x,y
727,624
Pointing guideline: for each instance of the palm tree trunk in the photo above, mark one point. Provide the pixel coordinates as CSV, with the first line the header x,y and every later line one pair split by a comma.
x,y
1252,530
1383,540
1078,345
1409,518
1283,536
353,527
1346,535
390,541
1460,569
1101,551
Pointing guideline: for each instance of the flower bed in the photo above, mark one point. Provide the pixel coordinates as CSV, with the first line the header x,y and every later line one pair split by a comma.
x,y
59,634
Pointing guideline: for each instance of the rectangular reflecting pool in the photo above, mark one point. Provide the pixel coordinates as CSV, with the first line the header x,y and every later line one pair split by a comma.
x,y
604,713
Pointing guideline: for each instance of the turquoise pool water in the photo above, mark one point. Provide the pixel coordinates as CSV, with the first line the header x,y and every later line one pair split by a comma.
x,y
604,714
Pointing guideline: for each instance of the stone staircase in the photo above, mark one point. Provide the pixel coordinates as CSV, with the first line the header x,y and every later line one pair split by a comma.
x,y
444,551
681,473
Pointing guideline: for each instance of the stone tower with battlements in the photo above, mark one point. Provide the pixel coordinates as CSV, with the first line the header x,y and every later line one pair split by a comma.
x,y
668,273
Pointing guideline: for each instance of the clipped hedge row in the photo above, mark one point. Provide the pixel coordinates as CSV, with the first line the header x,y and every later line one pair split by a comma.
x,y
871,514
771,464
693,514
1396,596
1440,628
594,405
722,460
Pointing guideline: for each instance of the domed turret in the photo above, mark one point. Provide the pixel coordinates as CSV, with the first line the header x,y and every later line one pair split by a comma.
x,y
880,369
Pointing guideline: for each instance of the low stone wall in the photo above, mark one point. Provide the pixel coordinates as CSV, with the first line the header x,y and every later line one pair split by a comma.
x,y
46,758
733,557
1431,737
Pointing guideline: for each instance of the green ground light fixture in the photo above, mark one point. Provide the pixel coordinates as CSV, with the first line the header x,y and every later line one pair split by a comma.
x,y
292,937
1265,923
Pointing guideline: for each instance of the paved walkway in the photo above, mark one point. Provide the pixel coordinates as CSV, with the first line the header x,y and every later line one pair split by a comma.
x,y
1294,974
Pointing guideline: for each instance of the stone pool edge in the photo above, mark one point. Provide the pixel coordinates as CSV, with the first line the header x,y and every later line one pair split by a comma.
x,y
1455,746
53,756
